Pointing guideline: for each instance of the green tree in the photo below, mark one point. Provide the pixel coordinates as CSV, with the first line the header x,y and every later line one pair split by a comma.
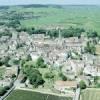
x,y
90,48
63,77
13,23
82,84
92,34
96,78
35,78
40,63
49,75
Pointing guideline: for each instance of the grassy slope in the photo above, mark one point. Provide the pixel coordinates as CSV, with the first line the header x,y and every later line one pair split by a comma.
x,y
28,95
77,16
91,94
87,17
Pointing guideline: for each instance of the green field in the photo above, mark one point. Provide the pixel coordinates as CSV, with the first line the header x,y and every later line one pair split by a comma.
x,y
91,94
87,17
28,95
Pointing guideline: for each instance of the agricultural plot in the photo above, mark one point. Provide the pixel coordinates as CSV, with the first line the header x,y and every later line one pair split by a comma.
x,y
29,95
91,94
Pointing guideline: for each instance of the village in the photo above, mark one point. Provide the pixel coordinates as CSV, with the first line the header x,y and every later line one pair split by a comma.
x,y
66,54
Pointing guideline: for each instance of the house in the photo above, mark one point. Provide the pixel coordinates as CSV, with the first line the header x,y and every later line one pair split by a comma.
x,y
91,70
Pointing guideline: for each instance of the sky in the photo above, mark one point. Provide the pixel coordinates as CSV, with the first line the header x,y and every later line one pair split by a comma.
x,y
66,2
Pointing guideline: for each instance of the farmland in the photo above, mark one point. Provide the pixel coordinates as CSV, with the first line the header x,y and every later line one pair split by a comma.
x,y
91,94
29,95
87,17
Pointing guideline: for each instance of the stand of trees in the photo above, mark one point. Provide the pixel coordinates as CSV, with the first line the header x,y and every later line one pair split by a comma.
x,y
90,48
92,34
35,78
13,23
30,69
72,32
82,85
54,33
63,77
6,33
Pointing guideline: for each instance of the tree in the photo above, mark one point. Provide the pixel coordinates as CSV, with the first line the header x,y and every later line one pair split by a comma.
x,y
72,32
82,84
49,75
35,78
22,62
29,58
98,85
96,78
63,77
1,63
40,63
13,76
90,48
5,61
13,23
53,33
92,34
2,91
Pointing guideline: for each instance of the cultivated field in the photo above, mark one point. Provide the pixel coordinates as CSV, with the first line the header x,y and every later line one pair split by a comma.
x,y
91,94
29,95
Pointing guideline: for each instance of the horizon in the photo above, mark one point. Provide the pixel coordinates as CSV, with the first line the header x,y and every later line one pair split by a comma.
x,y
52,5
48,2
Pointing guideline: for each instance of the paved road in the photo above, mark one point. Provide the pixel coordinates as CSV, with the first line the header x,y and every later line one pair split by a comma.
x,y
77,94
8,93
16,82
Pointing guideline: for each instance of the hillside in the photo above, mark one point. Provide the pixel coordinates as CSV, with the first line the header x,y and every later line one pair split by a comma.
x,y
48,16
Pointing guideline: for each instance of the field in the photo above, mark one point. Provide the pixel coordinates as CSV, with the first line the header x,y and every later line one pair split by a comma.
x,y
91,94
87,17
28,95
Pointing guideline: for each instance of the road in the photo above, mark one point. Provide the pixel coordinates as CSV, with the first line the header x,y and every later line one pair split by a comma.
x,y
77,94
16,82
